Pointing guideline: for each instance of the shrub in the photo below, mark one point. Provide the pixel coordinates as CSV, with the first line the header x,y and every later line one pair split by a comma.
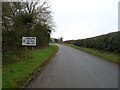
x,y
107,42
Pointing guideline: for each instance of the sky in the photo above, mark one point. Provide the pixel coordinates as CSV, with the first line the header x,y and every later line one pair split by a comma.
x,y
78,19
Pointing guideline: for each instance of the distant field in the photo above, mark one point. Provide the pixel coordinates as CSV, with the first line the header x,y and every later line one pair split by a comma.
x,y
113,57
21,72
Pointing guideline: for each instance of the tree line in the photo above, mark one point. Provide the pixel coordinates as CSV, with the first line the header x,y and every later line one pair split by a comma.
x,y
25,19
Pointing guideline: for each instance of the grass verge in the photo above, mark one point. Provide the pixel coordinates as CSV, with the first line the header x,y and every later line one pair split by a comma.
x,y
22,71
113,57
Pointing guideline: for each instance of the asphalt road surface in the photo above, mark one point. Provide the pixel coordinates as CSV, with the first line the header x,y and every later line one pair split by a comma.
x,y
72,68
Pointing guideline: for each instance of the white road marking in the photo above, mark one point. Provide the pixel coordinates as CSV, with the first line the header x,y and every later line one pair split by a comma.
x,y
60,51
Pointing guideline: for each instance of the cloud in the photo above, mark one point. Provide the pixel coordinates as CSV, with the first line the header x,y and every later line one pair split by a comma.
x,y
76,19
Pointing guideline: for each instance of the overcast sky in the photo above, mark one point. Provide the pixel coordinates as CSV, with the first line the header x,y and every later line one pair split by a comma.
x,y
78,19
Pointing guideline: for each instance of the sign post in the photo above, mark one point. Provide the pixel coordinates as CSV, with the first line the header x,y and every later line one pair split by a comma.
x,y
29,41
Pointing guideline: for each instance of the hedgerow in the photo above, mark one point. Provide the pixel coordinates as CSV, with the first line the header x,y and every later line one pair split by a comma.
x,y
107,42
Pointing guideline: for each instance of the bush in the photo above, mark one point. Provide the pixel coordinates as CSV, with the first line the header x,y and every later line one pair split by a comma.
x,y
107,42
9,58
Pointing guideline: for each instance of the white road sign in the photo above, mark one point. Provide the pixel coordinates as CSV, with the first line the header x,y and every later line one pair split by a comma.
x,y
28,41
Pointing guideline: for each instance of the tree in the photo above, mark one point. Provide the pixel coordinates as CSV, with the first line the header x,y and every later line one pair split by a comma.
x,y
61,39
26,19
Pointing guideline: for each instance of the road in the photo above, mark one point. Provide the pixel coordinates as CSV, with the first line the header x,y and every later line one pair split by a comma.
x,y
72,68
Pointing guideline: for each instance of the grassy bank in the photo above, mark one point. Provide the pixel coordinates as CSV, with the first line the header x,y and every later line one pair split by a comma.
x,y
113,57
22,71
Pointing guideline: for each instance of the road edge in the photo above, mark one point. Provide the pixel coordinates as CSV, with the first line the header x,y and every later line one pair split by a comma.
x,y
94,55
25,83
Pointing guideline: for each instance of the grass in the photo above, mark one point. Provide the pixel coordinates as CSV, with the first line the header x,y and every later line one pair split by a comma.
x,y
113,57
0,70
0,77
14,74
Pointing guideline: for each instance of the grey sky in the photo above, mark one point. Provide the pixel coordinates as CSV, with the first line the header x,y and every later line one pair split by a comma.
x,y
77,19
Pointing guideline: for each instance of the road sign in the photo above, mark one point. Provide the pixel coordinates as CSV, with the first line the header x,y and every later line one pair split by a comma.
x,y
28,41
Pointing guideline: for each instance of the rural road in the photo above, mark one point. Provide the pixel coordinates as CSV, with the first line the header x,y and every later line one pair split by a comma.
x,y
72,68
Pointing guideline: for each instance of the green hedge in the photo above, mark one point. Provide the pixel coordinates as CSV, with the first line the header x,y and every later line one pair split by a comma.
x,y
107,42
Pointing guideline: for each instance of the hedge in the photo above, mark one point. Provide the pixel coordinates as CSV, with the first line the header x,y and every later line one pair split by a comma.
x,y
107,42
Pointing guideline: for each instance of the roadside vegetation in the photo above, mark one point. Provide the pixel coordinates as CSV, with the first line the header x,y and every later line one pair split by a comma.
x,y
113,57
20,73
25,19
108,42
